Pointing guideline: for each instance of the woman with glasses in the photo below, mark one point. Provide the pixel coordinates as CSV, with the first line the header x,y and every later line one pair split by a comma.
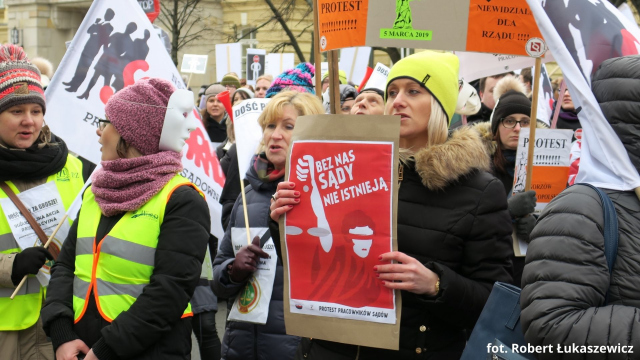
x,y
501,135
121,286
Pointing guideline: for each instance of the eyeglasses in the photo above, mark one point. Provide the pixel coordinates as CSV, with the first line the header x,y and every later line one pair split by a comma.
x,y
511,123
103,124
230,87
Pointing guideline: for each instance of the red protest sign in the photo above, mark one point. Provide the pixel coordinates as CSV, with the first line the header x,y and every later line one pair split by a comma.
x,y
151,8
341,226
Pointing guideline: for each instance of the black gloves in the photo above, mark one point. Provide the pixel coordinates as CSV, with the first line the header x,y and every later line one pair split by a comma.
x,y
522,204
524,226
246,261
29,261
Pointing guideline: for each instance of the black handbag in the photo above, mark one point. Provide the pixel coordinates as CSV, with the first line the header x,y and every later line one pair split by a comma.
x,y
498,329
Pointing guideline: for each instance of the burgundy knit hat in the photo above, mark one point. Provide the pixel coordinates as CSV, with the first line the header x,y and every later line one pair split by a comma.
x,y
138,111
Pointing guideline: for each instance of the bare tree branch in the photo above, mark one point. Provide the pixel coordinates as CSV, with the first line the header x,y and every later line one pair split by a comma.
x,y
185,23
285,27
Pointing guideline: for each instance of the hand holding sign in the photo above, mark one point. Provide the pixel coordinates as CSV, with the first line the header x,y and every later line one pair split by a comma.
x,y
246,261
283,200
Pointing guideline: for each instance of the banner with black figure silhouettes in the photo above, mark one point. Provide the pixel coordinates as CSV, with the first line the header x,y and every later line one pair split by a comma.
x,y
114,46
345,220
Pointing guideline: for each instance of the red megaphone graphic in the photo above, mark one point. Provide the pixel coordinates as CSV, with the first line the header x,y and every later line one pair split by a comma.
x,y
226,102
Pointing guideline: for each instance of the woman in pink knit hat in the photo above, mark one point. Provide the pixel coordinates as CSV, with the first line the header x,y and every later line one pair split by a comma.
x,y
122,284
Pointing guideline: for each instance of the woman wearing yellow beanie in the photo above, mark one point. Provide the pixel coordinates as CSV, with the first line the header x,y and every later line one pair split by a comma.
x,y
454,229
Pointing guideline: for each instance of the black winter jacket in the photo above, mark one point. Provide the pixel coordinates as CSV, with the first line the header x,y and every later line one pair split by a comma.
x,y
453,218
152,328
566,275
242,340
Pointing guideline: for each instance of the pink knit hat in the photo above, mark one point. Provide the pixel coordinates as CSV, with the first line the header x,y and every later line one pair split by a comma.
x,y
138,111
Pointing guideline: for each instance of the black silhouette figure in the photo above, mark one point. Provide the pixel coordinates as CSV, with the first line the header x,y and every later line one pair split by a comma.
x,y
112,60
138,50
98,38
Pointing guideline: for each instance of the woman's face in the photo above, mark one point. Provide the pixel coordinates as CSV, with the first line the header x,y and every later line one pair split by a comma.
x,y
567,102
407,98
238,96
261,88
215,107
109,139
20,125
277,136
509,137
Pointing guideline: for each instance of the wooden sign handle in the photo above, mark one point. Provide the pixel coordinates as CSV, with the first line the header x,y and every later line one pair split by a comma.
x,y
534,122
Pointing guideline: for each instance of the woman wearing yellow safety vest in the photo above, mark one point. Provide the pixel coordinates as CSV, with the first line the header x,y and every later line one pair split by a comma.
x,y
35,161
121,286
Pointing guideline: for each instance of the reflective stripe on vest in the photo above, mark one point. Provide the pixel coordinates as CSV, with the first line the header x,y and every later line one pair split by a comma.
x,y
23,311
118,269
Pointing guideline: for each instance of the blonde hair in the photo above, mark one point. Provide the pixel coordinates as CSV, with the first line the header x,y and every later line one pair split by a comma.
x,y
304,103
437,128
267,77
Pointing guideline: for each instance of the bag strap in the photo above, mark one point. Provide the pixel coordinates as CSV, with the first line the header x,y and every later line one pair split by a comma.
x,y
610,230
27,215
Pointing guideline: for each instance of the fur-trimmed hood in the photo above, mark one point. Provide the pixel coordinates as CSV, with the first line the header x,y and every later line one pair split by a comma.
x,y
462,153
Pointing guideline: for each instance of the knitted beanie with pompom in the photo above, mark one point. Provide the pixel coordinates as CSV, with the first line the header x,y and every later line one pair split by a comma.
x,y
19,79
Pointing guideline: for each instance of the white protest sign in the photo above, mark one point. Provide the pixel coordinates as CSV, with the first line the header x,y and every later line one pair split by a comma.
x,y
354,62
478,65
276,64
194,64
252,303
92,70
45,205
551,162
378,78
228,59
245,123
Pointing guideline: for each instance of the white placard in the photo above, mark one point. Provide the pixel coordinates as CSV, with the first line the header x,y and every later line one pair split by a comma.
x,y
45,205
378,78
477,65
245,122
276,64
252,303
228,59
354,62
194,64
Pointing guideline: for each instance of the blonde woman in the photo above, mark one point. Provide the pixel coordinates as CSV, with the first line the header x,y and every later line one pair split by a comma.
x,y
454,230
230,273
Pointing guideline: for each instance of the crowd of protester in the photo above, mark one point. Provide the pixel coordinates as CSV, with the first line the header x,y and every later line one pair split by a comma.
x,y
128,283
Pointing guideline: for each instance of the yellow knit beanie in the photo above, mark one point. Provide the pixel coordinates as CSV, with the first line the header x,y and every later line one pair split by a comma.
x,y
437,72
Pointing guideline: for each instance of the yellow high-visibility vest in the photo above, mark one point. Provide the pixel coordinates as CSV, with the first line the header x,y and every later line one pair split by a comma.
x,y
24,310
120,266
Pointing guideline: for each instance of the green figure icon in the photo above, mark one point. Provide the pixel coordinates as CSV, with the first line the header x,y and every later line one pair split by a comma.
x,y
403,15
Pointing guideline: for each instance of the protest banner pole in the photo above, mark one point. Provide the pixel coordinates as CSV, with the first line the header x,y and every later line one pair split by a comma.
x,y
46,245
334,81
189,81
316,50
534,122
556,111
225,99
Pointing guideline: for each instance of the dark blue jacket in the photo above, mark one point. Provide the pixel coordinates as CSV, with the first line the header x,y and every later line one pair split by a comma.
x,y
242,340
